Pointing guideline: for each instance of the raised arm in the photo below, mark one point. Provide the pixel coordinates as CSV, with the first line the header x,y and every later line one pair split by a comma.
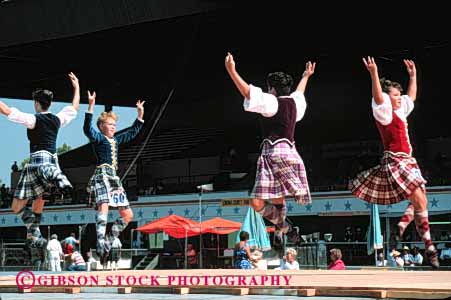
x,y
92,134
309,70
241,85
131,132
376,88
76,86
412,88
5,109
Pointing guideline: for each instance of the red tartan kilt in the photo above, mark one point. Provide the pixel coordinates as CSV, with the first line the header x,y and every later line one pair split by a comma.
x,y
392,181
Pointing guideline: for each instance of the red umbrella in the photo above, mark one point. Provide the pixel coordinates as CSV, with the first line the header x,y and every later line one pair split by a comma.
x,y
220,226
173,225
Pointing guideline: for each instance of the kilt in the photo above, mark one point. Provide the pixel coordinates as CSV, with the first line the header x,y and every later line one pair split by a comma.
x,y
103,182
280,173
39,174
397,176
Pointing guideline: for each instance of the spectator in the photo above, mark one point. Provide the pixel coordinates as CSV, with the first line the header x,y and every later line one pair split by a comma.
x,y
397,261
91,260
289,261
336,262
14,167
78,262
406,256
445,255
381,262
192,256
55,253
417,258
242,252
70,244
115,253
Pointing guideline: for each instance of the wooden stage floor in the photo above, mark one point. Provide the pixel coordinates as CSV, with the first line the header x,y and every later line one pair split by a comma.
x,y
358,283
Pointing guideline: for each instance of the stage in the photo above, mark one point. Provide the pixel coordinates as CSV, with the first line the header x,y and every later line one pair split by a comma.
x,y
372,283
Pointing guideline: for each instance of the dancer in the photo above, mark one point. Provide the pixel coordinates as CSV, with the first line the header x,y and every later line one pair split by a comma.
x,y
43,171
105,187
398,176
280,169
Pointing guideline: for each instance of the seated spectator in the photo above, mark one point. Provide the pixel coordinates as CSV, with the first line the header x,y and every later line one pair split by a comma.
x,y
396,260
406,256
381,262
417,258
289,261
78,262
256,260
335,260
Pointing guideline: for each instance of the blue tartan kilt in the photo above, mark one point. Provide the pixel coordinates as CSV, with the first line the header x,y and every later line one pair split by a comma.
x,y
102,183
40,174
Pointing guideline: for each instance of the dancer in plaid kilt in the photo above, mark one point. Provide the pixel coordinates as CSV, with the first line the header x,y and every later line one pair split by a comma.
x,y
398,176
104,183
43,170
280,169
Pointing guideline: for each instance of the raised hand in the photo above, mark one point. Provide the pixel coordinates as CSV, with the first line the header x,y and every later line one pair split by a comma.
x,y
140,108
74,80
92,98
370,65
229,62
410,65
309,69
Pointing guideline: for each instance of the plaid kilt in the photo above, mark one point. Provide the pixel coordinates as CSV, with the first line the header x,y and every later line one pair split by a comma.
x,y
39,174
103,182
392,181
280,173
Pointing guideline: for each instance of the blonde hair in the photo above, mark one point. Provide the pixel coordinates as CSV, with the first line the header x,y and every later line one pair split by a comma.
x,y
104,116
292,251
336,252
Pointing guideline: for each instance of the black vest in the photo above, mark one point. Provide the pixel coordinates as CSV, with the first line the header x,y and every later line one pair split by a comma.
x,y
283,123
43,135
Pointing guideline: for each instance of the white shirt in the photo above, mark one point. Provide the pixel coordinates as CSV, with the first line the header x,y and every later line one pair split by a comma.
x,y
383,112
286,265
445,252
55,246
267,104
417,259
116,243
66,115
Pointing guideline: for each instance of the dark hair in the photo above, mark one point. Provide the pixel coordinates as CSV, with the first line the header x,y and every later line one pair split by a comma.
x,y
387,84
244,236
281,82
43,97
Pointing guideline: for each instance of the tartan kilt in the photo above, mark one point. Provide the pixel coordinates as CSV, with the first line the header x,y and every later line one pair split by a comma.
x,y
102,182
42,172
397,176
280,173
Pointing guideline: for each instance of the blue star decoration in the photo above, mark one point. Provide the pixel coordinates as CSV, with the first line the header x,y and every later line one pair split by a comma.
x,y
368,205
204,210
140,213
3,221
328,206
68,217
187,212
155,213
348,205
434,202
236,210
219,211
289,207
308,207
170,211
389,206
55,218
82,217
16,220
